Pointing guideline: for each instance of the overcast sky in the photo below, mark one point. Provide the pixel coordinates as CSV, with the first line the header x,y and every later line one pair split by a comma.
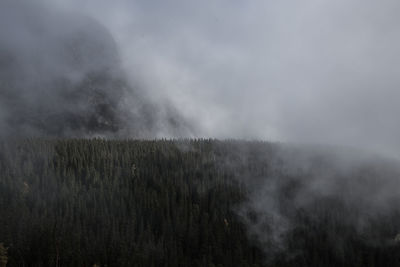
x,y
301,71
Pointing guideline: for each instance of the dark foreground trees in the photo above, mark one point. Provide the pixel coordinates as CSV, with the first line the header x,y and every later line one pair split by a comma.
x,y
119,203
154,203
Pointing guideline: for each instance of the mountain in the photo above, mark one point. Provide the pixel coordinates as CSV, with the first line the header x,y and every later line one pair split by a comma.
x,y
61,75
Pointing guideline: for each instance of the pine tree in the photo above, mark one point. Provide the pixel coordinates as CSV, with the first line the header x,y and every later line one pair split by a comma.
x,y
3,255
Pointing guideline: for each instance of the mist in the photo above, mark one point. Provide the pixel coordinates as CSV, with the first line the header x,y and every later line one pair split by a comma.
x,y
308,193
62,76
310,72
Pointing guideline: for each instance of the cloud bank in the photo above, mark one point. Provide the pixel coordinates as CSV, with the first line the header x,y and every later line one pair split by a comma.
x,y
311,72
315,71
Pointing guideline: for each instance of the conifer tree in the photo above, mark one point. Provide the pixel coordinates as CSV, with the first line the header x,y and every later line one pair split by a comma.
x,y
3,255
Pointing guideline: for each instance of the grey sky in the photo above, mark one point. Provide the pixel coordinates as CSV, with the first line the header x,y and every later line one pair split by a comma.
x,y
301,71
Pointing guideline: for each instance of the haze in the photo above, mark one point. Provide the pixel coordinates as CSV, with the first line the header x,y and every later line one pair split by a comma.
x,y
312,71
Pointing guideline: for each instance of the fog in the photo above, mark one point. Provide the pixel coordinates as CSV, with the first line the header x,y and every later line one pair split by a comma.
x,y
298,72
309,72
61,75
350,194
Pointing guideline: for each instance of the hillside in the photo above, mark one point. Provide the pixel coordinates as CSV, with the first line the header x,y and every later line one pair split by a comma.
x,y
192,203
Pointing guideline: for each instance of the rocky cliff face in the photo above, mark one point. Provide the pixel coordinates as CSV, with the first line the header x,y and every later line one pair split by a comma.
x,y
60,75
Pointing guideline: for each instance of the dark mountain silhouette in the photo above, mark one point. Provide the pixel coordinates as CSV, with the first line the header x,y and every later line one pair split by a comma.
x,y
61,75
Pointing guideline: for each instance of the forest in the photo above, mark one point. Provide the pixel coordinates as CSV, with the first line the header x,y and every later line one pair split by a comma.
x,y
203,202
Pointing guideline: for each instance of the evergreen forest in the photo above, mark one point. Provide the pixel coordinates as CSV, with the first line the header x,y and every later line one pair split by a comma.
x,y
96,202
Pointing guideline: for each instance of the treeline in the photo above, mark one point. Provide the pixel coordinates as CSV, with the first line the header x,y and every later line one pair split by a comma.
x,y
157,203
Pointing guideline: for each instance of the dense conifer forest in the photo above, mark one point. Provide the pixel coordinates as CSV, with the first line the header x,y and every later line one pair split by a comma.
x,y
168,203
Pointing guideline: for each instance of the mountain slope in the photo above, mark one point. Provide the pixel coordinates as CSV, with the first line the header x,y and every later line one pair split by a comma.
x,y
61,75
